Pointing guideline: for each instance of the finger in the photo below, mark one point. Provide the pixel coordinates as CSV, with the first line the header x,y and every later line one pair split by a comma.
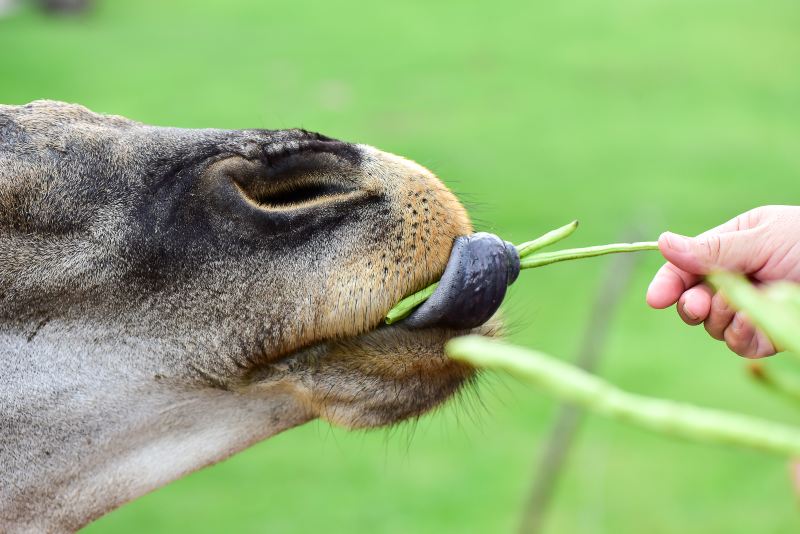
x,y
764,347
668,285
740,335
694,305
735,251
744,339
672,244
672,280
720,317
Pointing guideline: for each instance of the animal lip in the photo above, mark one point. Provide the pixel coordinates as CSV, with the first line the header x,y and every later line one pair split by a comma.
x,y
473,285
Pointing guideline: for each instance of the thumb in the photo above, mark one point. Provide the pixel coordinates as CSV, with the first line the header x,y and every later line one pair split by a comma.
x,y
733,251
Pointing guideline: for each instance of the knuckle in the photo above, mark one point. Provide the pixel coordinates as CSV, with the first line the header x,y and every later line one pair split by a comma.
x,y
719,306
713,329
712,245
751,347
741,337
732,335
736,343
752,218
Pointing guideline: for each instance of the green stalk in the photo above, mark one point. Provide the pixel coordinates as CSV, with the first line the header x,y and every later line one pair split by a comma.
x,y
403,309
546,258
553,236
528,260
570,384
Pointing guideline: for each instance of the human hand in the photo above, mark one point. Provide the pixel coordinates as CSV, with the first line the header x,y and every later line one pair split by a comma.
x,y
763,243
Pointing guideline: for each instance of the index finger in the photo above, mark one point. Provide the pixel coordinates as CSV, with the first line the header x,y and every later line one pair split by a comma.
x,y
668,285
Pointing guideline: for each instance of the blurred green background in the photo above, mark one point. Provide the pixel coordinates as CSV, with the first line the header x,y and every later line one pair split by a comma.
x,y
658,114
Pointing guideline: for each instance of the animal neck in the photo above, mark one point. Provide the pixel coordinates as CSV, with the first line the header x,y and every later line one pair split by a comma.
x,y
89,421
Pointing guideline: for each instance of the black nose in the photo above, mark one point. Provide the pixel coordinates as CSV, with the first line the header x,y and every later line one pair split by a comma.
x,y
473,285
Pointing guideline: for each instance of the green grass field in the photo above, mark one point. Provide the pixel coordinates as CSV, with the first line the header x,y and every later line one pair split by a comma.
x,y
665,115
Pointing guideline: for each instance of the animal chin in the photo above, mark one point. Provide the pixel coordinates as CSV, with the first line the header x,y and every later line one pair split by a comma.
x,y
384,376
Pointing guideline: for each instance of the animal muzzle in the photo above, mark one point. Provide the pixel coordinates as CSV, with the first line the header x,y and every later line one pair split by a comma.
x,y
474,283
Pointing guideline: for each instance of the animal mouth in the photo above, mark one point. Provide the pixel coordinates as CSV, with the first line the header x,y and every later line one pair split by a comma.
x,y
348,366
473,286
393,372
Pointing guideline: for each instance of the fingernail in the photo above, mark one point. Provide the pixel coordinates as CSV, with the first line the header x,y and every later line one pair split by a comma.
x,y
689,314
677,242
736,324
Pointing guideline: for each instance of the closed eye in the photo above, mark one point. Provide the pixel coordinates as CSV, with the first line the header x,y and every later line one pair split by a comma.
x,y
294,193
299,178
298,194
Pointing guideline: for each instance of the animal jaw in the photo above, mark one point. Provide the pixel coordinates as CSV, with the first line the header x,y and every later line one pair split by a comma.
x,y
406,374
169,297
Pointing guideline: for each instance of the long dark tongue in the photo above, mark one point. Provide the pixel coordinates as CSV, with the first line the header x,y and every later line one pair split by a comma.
x,y
473,285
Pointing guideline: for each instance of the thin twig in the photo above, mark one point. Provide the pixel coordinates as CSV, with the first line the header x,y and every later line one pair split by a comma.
x,y
671,418
528,260
553,236
546,258
403,309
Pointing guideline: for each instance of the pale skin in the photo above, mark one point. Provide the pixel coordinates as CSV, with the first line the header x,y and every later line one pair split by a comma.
x,y
763,243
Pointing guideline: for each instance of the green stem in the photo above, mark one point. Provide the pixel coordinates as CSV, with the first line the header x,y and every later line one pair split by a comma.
x,y
546,258
403,309
528,260
573,385
553,236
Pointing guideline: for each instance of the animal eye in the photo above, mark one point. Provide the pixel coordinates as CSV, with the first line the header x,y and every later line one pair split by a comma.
x,y
288,195
293,180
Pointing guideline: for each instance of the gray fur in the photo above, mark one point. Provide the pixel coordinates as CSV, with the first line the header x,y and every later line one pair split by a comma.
x,y
158,315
